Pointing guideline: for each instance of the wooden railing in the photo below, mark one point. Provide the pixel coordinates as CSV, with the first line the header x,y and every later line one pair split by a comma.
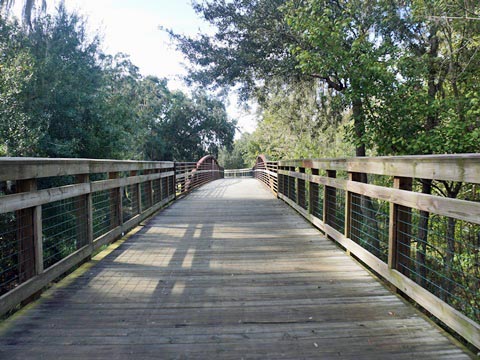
x,y
238,173
54,213
266,172
190,175
426,246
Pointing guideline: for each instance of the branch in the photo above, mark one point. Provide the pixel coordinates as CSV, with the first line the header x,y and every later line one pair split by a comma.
x,y
332,84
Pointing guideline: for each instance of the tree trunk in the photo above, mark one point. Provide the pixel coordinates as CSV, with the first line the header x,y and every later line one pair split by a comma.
x,y
359,125
448,287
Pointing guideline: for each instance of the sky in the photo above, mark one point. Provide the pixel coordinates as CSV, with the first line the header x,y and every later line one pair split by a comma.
x,y
132,27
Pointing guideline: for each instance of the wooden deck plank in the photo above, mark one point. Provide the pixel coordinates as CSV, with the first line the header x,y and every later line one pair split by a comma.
x,y
227,272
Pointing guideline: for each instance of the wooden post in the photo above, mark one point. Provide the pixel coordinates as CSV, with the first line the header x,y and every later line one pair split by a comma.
x,y
400,229
28,222
84,216
280,184
329,193
175,172
116,206
301,198
313,194
38,239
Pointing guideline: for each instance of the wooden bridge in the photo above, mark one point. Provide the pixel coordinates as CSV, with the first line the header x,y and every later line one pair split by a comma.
x,y
226,269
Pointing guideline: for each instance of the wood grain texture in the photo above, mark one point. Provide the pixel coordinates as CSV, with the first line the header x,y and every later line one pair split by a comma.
x,y
459,209
228,272
455,167
16,168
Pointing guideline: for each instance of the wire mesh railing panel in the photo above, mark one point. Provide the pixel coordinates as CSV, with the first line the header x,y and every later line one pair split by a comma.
x,y
64,229
55,181
302,194
16,249
443,257
146,195
292,189
157,190
171,186
129,202
369,224
335,202
102,213
164,188
316,200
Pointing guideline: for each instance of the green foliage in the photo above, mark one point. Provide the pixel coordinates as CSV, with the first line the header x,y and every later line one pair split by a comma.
x,y
251,43
242,155
62,97
18,130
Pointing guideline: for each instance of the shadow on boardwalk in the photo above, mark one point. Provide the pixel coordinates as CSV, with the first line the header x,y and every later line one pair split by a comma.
x,y
227,272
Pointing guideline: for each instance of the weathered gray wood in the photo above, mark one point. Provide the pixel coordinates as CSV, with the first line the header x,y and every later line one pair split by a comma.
x,y
226,272
119,182
466,327
26,227
459,209
458,167
38,239
400,228
34,198
30,168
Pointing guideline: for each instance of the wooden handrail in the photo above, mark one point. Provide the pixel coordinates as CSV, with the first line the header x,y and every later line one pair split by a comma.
x,y
337,204
81,203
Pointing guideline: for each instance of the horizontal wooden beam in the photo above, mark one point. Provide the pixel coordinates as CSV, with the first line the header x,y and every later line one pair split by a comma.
x,y
34,198
459,167
14,168
455,208
271,173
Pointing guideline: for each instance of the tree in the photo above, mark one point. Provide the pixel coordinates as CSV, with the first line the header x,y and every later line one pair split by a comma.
x,y
62,96
250,46
28,8
18,130
192,128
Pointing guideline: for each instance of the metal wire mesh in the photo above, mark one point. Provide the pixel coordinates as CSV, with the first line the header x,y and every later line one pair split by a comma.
x,y
316,200
443,258
335,201
369,224
157,190
102,214
146,193
171,186
129,202
16,249
281,183
165,183
64,228
291,188
302,194
49,182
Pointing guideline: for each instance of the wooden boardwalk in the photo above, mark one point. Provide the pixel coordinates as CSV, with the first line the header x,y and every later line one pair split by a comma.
x,y
228,272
